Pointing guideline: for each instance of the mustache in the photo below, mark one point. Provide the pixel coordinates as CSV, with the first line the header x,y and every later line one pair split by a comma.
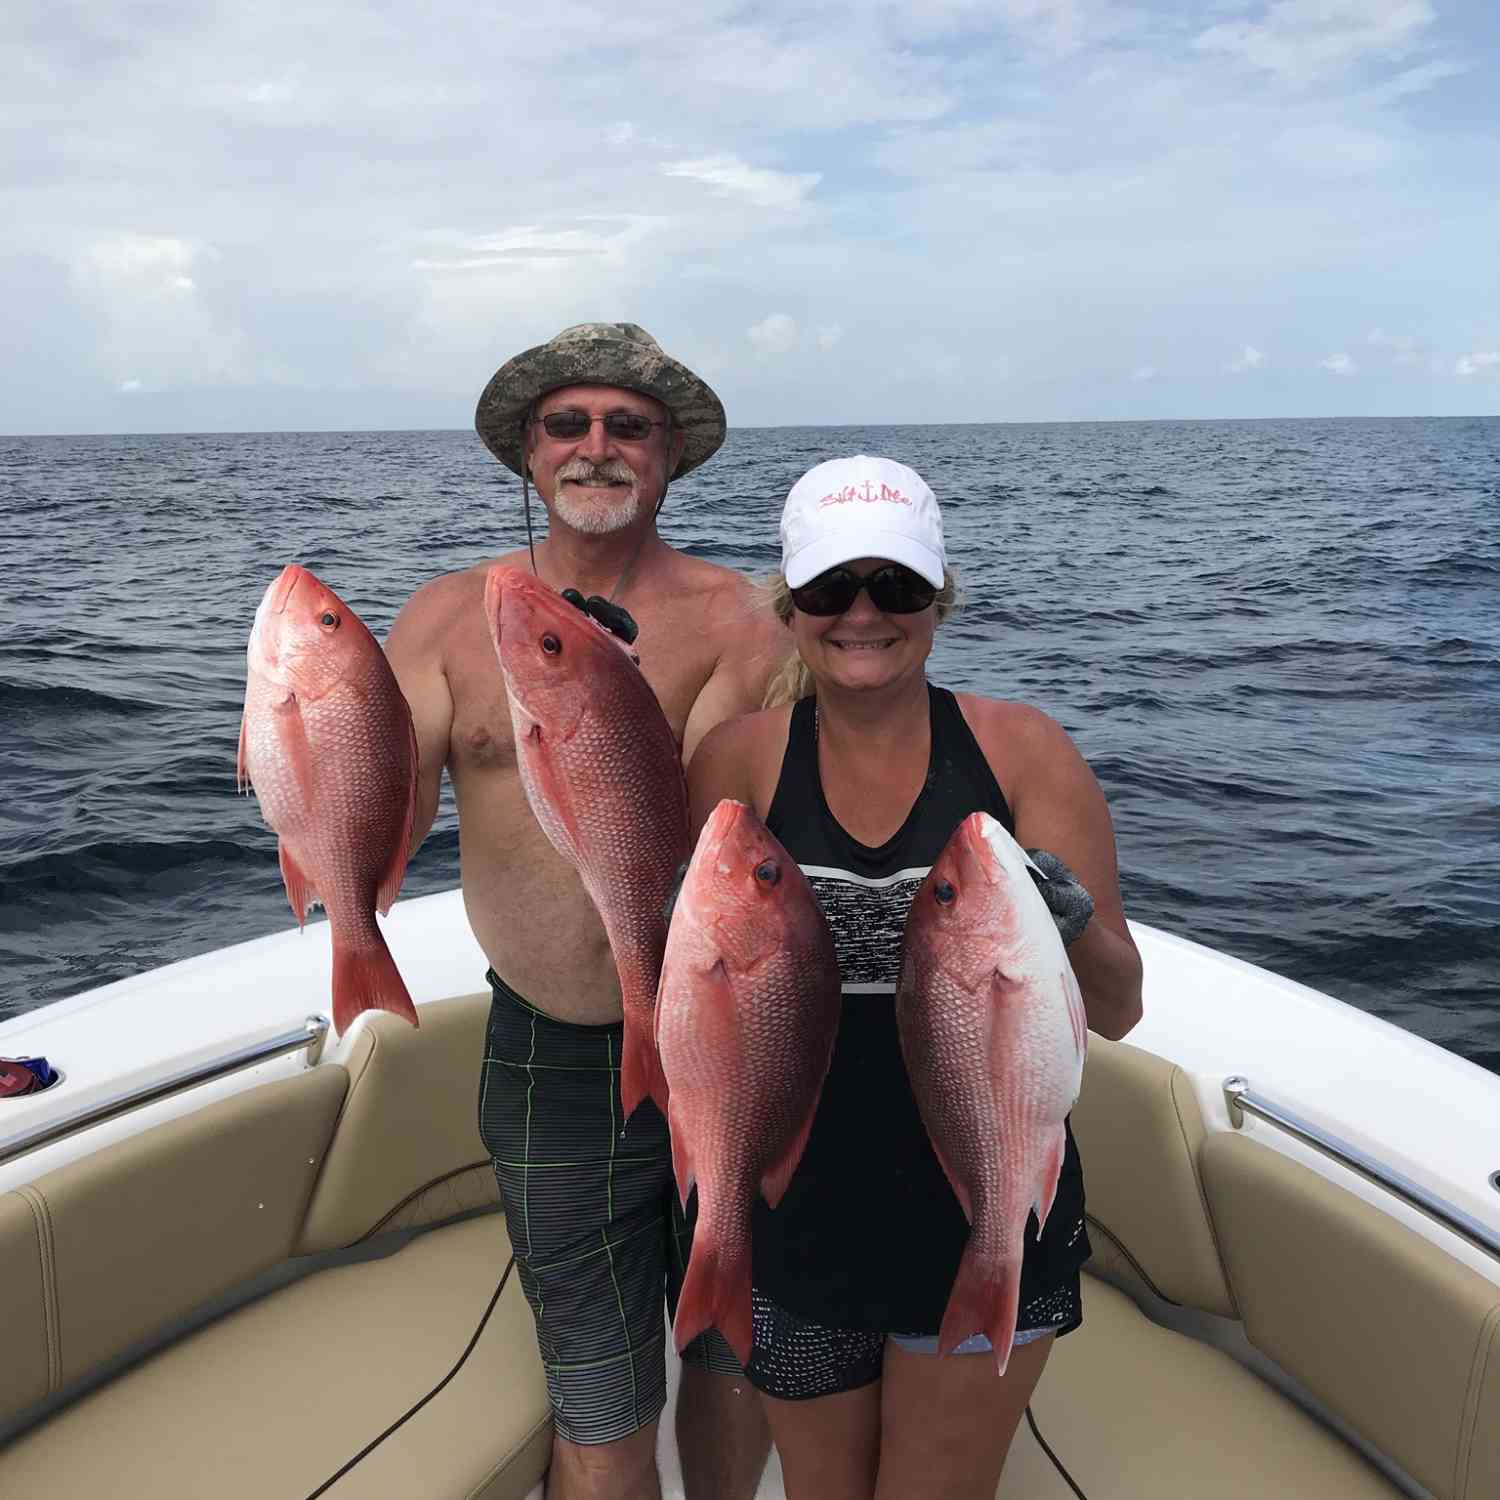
x,y
585,472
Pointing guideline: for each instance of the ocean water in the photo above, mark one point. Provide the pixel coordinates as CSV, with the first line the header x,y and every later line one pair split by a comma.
x,y
1277,643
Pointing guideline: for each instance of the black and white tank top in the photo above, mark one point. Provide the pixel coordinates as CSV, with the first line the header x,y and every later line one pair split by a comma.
x,y
869,1234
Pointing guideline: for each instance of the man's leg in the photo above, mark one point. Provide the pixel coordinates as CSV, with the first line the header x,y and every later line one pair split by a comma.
x,y
625,1470
722,1436
583,1203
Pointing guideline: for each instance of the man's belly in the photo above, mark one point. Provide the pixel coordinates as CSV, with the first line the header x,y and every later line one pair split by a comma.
x,y
538,928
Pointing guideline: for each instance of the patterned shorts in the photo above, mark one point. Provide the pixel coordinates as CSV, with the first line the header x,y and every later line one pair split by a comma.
x,y
796,1359
592,1210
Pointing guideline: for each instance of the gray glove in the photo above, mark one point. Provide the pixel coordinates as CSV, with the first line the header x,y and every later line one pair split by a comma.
x,y
1070,904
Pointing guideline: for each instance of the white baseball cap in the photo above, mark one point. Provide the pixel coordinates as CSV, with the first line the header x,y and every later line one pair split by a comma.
x,y
860,507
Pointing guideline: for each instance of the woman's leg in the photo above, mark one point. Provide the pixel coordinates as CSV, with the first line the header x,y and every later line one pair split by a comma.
x,y
829,1445
946,1421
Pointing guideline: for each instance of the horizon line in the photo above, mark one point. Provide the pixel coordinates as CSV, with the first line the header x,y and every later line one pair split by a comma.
x,y
777,426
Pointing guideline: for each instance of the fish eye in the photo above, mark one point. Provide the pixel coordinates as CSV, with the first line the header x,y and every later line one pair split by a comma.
x,y
768,872
328,620
944,893
551,645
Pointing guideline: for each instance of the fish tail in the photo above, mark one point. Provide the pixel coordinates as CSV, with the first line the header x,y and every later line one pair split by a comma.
x,y
716,1293
986,1299
366,978
641,1076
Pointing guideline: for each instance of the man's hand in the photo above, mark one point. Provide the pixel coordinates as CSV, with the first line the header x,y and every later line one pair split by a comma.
x,y
1070,904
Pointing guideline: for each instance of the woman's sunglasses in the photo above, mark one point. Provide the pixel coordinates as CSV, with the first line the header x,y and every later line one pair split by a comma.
x,y
893,590
624,426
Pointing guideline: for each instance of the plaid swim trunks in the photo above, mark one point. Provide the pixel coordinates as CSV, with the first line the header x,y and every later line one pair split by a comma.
x,y
592,1210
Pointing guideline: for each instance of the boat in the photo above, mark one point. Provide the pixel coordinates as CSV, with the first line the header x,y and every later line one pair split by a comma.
x,y
241,1255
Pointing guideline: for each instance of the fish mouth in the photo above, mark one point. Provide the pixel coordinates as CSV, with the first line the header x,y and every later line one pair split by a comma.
x,y
284,587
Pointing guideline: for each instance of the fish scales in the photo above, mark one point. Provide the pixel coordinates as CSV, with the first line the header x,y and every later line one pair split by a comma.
x,y
746,1019
602,772
328,744
994,1036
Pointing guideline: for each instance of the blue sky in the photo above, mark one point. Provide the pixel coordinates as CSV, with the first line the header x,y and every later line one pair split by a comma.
x,y
227,217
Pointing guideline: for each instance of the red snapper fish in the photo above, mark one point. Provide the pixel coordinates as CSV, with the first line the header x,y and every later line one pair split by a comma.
x,y
745,1022
994,1033
601,769
328,744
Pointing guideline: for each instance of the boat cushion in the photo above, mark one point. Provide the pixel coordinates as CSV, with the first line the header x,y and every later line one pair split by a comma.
x,y
273,1398
1137,1412
140,1233
1139,1131
1480,1479
407,1149
28,1355
1391,1333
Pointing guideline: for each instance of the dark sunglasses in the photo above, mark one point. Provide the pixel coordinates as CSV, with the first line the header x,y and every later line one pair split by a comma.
x,y
893,590
624,426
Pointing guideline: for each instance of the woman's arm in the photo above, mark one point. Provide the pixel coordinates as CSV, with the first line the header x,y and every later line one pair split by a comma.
x,y
1059,806
723,765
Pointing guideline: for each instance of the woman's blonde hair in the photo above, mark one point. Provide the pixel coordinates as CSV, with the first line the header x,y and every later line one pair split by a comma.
x,y
793,680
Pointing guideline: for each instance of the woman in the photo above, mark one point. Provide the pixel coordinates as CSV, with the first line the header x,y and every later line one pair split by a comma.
x,y
863,778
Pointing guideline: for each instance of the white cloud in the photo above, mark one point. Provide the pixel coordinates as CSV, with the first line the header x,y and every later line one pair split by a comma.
x,y
829,335
1339,364
533,245
620,134
142,262
1249,358
776,334
129,387
1303,41
1144,373
1478,363
730,177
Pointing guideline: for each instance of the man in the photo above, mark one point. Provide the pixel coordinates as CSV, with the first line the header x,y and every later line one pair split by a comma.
x,y
600,420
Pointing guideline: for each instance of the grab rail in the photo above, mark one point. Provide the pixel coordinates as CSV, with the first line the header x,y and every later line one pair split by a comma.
x,y
1242,1100
310,1034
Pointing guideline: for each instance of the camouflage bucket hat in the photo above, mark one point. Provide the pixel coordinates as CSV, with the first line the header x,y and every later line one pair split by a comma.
x,y
621,354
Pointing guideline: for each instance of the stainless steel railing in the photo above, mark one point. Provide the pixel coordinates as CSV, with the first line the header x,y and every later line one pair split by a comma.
x,y
59,1127
1243,1100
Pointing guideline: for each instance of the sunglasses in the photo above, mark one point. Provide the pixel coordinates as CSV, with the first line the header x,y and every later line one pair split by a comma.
x,y
893,590
624,426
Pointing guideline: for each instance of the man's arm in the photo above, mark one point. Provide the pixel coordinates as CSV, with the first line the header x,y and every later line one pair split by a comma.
x,y
414,650
753,646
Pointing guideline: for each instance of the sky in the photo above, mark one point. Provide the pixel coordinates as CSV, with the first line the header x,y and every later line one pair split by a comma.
x,y
228,217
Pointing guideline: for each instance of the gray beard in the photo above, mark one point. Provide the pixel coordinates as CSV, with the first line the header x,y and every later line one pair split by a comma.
x,y
596,517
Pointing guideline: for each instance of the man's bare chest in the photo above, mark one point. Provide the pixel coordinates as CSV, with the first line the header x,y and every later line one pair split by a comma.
x,y
481,736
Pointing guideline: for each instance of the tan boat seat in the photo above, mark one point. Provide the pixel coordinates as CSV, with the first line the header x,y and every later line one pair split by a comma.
x,y
104,1259
268,1402
1135,1411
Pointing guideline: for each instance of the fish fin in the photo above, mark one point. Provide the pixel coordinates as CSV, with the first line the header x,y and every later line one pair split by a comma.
x,y
300,891
716,1294
983,1300
640,1071
367,979
241,767
778,1175
1047,1182
1076,1012
682,1161
395,872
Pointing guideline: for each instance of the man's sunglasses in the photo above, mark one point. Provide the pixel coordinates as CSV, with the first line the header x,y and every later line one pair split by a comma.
x,y
893,590
624,426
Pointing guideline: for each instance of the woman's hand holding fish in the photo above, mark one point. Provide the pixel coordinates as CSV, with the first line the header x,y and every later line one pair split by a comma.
x,y
1065,894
